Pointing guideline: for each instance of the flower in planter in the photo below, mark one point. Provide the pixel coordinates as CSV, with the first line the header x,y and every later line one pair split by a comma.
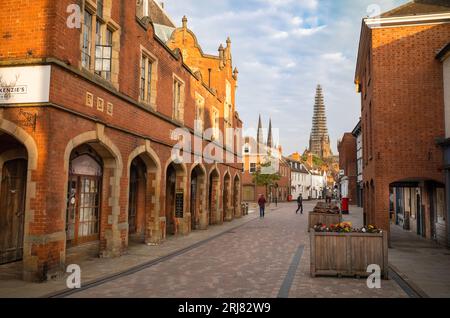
x,y
345,227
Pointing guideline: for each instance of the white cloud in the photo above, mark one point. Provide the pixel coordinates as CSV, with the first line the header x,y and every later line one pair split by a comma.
x,y
302,32
280,35
334,57
297,21
283,49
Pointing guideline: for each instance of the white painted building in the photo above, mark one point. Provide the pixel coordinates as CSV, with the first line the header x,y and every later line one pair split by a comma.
x,y
300,180
318,184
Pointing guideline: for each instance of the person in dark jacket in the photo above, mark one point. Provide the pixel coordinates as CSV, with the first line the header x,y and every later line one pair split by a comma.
x,y
262,205
300,204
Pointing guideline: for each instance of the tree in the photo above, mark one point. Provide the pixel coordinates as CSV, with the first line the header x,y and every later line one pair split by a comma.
x,y
266,180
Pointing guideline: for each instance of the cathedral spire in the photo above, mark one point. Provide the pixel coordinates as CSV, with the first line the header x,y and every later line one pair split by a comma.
x,y
260,136
270,137
319,143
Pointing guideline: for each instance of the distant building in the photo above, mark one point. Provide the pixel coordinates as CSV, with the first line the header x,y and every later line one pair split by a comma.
x,y
357,132
319,143
347,163
401,86
257,153
301,179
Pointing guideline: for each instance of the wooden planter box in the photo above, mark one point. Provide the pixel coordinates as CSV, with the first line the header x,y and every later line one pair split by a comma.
x,y
348,254
324,218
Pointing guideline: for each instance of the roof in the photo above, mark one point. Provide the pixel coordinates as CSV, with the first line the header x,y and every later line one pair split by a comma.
x,y
163,32
357,130
444,52
158,15
302,168
419,7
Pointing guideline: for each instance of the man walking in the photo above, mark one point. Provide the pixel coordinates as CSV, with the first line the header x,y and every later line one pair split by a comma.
x,y
262,206
300,204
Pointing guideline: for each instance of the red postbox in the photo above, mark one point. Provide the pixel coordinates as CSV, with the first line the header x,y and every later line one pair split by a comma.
x,y
345,206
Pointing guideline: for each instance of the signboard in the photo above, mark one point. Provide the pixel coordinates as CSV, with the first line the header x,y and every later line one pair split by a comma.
x,y
179,205
26,84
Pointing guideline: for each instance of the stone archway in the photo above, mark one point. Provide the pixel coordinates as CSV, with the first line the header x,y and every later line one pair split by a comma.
x,y
26,149
237,210
199,217
213,197
112,233
143,206
227,214
175,200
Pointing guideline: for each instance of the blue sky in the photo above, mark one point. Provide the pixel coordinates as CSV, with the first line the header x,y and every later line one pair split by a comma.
x,y
283,49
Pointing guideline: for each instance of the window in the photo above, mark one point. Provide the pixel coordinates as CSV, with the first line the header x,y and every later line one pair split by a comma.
x,y
252,167
199,112
103,50
108,43
178,111
215,123
98,49
100,8
146,79
86,49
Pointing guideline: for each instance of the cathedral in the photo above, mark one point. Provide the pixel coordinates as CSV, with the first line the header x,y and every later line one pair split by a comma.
x,y
319,143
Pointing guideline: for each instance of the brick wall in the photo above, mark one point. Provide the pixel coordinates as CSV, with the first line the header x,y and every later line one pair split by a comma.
x,y
402,110
347,162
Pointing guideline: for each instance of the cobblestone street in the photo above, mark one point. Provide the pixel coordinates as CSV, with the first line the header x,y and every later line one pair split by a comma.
x,y
256,260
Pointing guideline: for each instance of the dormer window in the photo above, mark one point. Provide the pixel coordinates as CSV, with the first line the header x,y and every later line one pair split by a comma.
x,y
142,9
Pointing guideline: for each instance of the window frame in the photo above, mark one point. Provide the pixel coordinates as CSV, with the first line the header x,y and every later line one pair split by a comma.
x,y
86,45
199,112
178,87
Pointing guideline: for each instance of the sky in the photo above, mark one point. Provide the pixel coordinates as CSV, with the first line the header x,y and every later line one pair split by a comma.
x,y
283,49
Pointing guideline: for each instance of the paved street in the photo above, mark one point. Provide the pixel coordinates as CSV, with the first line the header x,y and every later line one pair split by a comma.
x,y
263,258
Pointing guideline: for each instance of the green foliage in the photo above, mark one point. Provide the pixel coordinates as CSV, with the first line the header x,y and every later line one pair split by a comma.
x,y
317,161
265,179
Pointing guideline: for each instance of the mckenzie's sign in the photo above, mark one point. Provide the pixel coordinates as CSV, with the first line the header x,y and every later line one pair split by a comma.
x,y
26,84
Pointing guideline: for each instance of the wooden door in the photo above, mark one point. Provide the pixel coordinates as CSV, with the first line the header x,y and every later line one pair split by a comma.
x,y
133,202
12,210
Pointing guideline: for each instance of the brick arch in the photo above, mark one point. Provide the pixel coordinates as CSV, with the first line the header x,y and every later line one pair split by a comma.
x,y
30,267
181,183
153,233
237,195
201,195
214,204
112,244
227,195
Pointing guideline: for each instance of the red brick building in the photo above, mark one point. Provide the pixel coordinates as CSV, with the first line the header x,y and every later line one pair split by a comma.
x,y
402,100
87,114
257,152
347,163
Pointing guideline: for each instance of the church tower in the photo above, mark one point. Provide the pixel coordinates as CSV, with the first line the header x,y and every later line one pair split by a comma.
x,y
319,143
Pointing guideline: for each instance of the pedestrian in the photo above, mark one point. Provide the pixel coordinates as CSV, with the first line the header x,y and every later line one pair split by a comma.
x,y
262,205
300,204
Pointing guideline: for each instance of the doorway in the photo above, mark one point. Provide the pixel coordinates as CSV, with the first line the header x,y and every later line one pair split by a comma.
x,y
84,197
12,210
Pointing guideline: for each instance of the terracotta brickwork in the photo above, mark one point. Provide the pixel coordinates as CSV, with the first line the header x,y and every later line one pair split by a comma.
x,y
347,162
400,81
110,117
